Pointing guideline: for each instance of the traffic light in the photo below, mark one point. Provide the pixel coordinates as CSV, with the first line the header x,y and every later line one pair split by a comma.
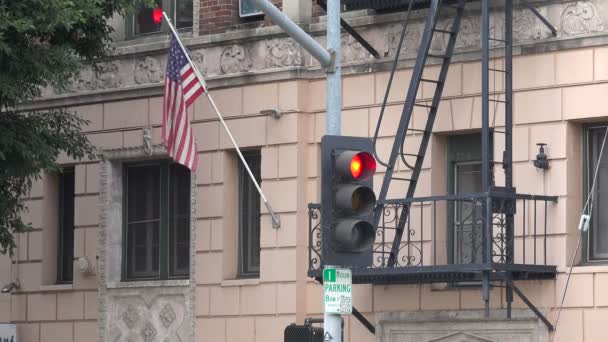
x,y
347,200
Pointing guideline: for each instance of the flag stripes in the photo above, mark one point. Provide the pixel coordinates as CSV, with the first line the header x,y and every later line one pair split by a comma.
x,y
182,88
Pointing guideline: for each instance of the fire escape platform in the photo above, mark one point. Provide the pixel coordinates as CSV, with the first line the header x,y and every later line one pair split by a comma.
x,y
446,273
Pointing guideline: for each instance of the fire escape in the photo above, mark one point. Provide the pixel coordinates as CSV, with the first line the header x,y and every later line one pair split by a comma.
x,y
491,238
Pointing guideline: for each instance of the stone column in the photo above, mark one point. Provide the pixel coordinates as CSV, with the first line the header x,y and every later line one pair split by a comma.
x,y
299,11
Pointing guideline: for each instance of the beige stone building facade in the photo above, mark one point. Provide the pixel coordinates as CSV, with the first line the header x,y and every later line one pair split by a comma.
x,y
228,279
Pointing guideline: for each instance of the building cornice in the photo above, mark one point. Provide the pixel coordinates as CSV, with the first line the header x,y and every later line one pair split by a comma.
x,y
267,55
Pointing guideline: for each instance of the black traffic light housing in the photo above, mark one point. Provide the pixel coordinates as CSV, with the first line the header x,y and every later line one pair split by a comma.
x,y
347,201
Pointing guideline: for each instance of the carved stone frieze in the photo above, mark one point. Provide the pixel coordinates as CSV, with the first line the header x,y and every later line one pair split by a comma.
x,y
461,337
282,52
109,76
254,52
137,318
353,51
106,77
470,33
198,57
526,27
410,42
148,70
581,17
235,58
459,326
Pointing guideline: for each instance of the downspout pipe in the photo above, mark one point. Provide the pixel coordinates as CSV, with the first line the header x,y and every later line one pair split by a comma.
x,y
295,32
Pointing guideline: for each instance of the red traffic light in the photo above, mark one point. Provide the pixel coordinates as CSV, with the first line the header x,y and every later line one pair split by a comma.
x,y
362,164
157,15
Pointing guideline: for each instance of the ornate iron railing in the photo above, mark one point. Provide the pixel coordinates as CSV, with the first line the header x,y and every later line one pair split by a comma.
x,y
449,230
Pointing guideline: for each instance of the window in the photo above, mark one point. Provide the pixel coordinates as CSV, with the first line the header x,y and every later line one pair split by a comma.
x,y
597,236
156,220
65,245
249,217
465,220
248,9
180,12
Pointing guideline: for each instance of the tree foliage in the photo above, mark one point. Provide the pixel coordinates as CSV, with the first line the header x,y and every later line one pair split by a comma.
x,y
43,43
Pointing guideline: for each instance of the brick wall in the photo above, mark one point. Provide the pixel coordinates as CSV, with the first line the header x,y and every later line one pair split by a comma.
x,y
218,16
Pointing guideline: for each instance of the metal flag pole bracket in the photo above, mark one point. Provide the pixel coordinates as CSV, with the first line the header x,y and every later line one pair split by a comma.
x,y
276,221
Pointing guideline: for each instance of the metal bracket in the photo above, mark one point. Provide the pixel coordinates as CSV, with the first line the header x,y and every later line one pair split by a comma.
x,y
352,32
529,304
331,67
541,18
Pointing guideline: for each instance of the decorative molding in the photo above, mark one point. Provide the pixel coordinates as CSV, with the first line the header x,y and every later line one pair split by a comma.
x,y
460,326
282,52
141,311
581,17
148,70
235,59
266,54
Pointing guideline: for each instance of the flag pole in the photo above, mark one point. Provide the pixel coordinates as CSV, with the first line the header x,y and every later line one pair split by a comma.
x,y
276,220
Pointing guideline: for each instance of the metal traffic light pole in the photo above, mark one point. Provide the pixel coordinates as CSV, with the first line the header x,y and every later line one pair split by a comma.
x,y
329,59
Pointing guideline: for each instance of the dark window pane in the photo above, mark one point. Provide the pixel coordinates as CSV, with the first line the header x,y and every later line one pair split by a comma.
x,y
249,217
598,232
142,242
143,21
157,220
184,13
66,227
143,193
143,215
179,219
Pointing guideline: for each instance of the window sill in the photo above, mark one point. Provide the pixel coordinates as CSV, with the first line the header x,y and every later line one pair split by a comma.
x,y
149,283
57,287
152,38
241,282
597,267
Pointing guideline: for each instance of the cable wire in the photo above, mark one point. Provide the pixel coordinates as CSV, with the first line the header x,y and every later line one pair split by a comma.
x,y
588,204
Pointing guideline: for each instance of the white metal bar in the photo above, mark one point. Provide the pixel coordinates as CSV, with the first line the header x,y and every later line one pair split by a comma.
x,y
307,42
276,221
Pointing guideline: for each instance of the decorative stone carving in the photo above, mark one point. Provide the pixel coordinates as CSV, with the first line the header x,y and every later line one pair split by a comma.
x,y
470,33
461,337
167,315
235,59
282,53
581,17
353,51
148,70
410,42
149,332
198,57
525,26
108,76
130,316
459,326
148,317
148,140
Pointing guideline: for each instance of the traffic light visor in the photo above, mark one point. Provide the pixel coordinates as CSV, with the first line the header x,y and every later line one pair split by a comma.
x,y
356,199
354,235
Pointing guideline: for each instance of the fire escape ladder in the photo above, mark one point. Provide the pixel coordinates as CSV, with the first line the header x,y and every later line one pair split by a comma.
x,y
413,161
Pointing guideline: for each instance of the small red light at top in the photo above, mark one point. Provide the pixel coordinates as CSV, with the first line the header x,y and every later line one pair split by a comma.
x,y
356,166
157,15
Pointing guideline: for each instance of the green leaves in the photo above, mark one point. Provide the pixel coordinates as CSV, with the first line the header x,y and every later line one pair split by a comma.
x,y
44,43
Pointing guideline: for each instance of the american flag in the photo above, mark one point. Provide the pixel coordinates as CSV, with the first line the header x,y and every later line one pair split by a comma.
x,y
182,88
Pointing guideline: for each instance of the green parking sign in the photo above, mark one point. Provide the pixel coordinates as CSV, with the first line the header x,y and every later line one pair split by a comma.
x,y
337,290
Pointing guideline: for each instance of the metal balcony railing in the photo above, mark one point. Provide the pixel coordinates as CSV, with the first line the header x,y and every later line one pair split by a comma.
x,y
449,235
